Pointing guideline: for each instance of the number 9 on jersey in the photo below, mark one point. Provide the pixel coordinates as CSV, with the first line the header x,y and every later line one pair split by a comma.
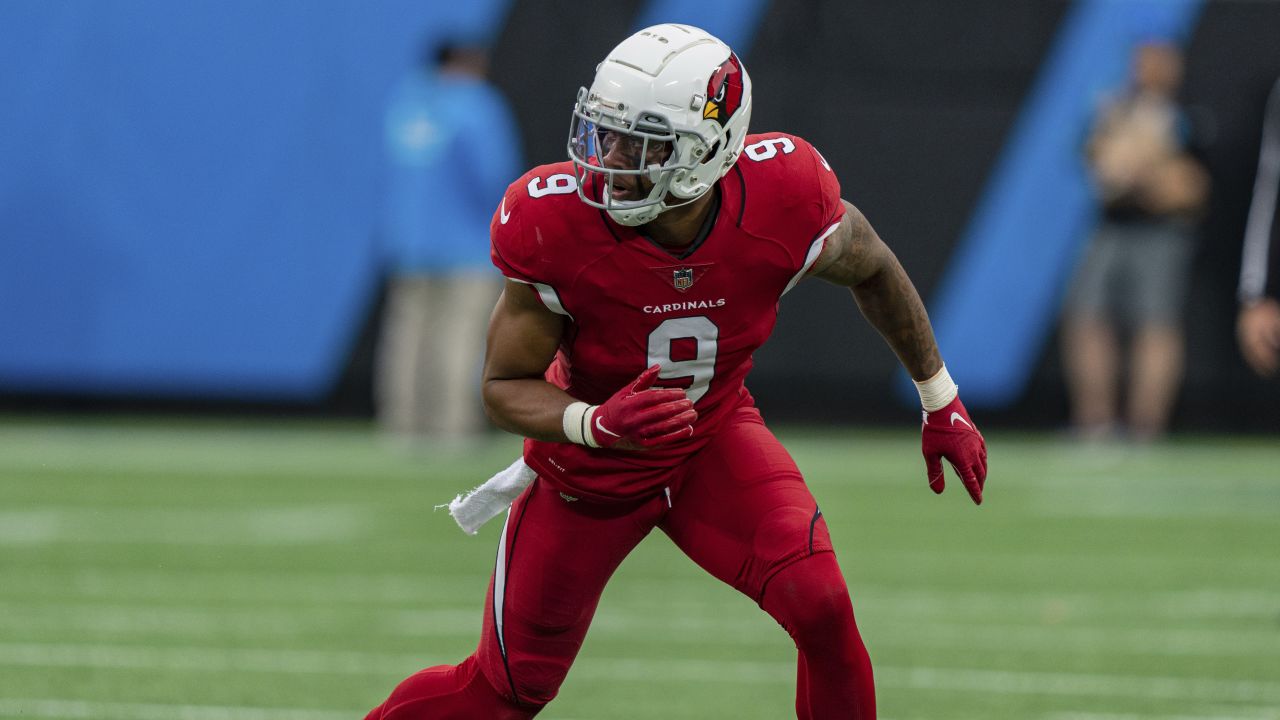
x,y
701,367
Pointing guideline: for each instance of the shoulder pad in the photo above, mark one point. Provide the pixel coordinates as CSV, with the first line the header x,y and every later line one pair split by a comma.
x,y
541,227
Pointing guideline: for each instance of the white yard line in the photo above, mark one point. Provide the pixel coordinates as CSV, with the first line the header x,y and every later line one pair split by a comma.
x,y
1179,605
269,587
1231,714
94,710
287,525
1198,689
203,659
413,589
54,708
124,622
1076,638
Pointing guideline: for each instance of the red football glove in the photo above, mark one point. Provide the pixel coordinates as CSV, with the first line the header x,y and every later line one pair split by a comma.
x,y
949,433
638,417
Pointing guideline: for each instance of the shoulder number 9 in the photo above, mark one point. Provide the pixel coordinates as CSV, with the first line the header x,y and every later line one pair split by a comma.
x,y
766,149
558,184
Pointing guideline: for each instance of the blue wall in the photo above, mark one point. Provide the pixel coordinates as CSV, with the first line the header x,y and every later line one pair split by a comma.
x,y
189,190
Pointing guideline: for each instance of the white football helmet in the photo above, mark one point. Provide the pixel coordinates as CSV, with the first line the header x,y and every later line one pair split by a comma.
x,y
669,104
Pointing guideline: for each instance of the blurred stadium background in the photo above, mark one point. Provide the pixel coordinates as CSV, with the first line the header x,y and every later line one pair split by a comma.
x,y
197,519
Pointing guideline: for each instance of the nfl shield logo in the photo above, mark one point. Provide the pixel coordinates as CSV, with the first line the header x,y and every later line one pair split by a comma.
x,y
682,278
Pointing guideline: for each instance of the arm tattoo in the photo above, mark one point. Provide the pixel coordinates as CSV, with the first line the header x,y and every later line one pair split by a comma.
x,y
891,304
844,261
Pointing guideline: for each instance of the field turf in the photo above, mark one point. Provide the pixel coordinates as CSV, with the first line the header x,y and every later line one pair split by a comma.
x,y
175,569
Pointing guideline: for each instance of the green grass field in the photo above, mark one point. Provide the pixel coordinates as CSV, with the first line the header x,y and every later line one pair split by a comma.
x,y
192,570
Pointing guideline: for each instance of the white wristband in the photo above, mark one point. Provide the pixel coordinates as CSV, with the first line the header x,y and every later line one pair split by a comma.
x,y
576,423
938,391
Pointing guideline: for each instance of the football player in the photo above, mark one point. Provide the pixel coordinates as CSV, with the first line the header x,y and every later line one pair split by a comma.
x,y
641,276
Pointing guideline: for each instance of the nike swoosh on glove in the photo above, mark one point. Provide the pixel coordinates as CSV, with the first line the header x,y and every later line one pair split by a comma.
x,y
640,416
949,433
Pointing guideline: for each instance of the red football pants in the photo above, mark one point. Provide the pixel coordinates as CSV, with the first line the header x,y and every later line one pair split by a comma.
x,y
739,509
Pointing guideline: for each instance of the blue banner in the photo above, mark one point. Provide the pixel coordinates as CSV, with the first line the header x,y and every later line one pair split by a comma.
x,y
189,190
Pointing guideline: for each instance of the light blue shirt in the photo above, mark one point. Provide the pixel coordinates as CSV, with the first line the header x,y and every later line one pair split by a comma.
x,y
452,148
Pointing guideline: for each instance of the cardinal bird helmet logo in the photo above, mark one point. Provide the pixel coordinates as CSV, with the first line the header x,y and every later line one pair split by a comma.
x,y
724,91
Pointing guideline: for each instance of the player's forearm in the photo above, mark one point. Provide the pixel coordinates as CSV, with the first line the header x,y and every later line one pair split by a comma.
x,y
891,304
531,407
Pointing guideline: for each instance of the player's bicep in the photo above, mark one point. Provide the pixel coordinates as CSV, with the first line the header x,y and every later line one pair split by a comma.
x,y
853,253
523,335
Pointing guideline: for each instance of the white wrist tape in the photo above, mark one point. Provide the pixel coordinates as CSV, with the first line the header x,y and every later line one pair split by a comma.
x,y
576,423
937,391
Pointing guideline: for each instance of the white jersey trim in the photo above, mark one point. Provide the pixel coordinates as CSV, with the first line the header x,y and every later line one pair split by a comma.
x,y
1262,211
815,249
548,294
500,585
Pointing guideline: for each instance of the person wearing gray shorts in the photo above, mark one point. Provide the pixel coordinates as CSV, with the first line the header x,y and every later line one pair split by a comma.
x,y
1135,273
1133,276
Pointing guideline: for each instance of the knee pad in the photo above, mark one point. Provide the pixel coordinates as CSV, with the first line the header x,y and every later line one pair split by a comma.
x,y
539,650
809,598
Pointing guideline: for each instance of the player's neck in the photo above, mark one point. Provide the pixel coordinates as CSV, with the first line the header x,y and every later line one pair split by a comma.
x,y
678,227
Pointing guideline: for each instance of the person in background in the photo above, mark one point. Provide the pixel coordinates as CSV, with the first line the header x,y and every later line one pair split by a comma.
x,y
1258,325
1135,272
453,147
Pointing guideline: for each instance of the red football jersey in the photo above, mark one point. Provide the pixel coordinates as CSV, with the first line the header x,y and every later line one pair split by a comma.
x,y
699,313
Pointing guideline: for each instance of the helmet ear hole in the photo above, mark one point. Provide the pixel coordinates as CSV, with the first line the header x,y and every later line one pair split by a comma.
x,y
715,146
711,153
